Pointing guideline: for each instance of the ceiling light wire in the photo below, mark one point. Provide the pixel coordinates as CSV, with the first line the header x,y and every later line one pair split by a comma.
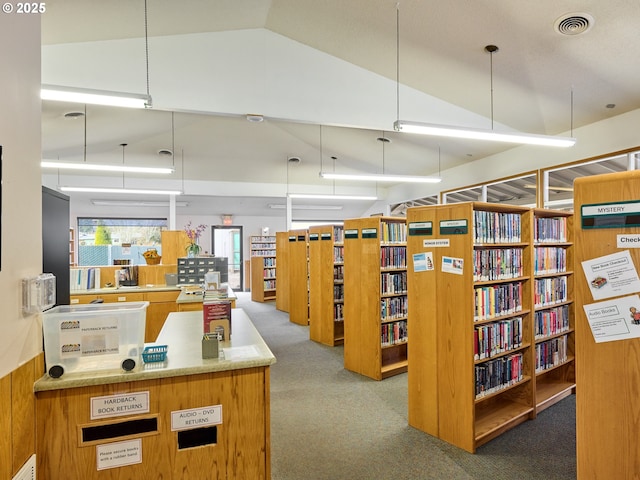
x,y
398,61
146,51
491,49
84,152
173,142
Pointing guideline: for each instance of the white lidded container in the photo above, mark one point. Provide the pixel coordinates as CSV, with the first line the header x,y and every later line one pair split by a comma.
x,y
97,336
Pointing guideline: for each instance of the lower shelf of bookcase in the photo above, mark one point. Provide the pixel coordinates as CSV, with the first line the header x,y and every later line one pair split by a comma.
x,y
492,422
391,369
550,393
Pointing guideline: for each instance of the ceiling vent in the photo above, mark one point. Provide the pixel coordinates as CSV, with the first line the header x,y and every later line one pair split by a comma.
x,y
574,24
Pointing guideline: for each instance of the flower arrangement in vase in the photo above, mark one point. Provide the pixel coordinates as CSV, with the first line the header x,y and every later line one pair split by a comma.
x,y
193,234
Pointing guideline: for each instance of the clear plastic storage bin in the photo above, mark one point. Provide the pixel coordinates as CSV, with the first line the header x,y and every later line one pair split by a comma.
x,y
100,336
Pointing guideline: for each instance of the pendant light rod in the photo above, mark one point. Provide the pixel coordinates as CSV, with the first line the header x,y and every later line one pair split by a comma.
x,y
491,49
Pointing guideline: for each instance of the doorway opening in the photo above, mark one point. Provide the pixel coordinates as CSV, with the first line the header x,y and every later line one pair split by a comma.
x,y
227,242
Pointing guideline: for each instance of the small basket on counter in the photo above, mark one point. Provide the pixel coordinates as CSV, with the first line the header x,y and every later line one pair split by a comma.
x,y
154,353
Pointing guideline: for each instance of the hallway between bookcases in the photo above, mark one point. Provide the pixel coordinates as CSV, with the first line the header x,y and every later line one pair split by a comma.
x,y
329,423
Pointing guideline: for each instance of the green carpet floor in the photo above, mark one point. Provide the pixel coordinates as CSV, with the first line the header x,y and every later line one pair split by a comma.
x,y
329,423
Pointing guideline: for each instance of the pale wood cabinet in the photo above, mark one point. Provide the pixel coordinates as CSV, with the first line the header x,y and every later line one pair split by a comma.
x,y
326,284
375,296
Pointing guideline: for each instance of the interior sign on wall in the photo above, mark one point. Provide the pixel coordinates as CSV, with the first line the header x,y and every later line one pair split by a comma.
x,y
313,237
440,242
453,227
325,236
611,215
369,233
118,405
628,241
351,233
196,418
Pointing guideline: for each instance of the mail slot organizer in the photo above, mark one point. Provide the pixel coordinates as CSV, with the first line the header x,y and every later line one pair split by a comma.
x,y
81,338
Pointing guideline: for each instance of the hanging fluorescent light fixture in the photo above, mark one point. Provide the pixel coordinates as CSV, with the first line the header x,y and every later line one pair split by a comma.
x,y
373,177
105,168
482,134
119,190
94,97
321,196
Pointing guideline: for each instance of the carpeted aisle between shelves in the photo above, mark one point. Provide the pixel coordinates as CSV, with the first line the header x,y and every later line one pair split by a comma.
x,y
329,424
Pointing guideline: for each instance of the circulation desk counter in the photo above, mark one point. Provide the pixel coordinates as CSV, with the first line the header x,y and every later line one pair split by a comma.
x,y
182,418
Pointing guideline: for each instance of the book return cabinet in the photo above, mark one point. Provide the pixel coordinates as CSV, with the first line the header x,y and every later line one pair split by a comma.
x,y
375,296
491,318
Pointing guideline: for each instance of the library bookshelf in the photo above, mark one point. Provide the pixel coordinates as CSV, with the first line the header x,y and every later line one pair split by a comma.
x,y
375,296
263,279
326,284
262,245
298,277
263,268
471,375
554,306
608,371
282,272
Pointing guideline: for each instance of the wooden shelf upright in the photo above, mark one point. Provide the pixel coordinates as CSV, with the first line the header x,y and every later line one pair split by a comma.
x,y
464,388
326,284
282,272
298,277
375,296
607,372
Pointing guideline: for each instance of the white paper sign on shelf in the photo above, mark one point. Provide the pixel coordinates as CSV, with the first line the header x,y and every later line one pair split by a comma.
x,y
611,275
613,320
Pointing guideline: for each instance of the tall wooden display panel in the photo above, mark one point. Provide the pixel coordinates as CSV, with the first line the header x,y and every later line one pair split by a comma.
x,y
472,341
607,372
282,272
298,277
375,296
326,284
553,302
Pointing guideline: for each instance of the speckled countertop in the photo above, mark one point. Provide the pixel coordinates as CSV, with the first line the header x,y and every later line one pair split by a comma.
x,y
182,332
137,289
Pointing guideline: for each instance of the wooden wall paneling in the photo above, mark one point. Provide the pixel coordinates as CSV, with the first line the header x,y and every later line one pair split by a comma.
x,y
6,451
174,244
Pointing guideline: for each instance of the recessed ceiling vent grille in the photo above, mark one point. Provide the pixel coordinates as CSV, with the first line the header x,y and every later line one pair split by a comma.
x,y
574,24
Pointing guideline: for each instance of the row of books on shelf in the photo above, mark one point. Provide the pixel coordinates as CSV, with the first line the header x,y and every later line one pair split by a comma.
x,y
338,234
551,353
269,284
338,293
269,273
497,264
338,254
393,257
496,227
548,291
393,232
393,333
393,283
551,321
552,229
269,262
338,312
393,308
549,260
338,272
498,374
496,300
494,338
84,278
263,253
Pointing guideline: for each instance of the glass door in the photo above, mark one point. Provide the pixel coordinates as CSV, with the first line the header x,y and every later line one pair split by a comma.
x,y
227,242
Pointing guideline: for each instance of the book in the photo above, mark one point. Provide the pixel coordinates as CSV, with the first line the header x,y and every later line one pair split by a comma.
x,y
216,310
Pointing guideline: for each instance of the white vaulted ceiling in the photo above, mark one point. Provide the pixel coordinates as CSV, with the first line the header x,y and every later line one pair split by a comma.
x,y
306,63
